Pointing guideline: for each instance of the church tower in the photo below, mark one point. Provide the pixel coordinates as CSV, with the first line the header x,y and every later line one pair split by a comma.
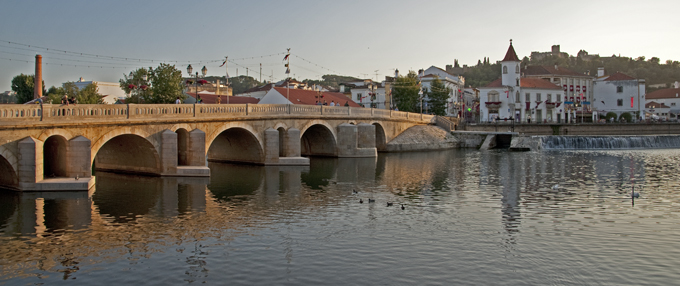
x,y
510,68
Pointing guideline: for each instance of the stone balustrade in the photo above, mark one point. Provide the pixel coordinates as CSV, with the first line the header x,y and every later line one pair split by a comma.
x,y
18,114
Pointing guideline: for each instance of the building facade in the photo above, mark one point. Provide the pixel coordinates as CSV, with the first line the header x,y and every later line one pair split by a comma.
x,y
668,97
110,91
453,82
524,99
577,87
618,93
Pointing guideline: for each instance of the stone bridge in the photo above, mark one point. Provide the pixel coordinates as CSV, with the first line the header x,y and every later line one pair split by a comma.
x,y
57,147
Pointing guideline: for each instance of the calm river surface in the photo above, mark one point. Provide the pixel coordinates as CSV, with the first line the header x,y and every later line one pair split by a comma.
x,y
469,218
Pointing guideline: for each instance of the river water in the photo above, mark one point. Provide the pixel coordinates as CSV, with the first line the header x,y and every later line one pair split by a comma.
x,y
469,218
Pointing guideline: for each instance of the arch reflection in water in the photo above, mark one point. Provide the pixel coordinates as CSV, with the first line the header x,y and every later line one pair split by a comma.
x,y
126,197
236,183
39,214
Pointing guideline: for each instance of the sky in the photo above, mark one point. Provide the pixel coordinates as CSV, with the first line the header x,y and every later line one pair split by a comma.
x,y
353,38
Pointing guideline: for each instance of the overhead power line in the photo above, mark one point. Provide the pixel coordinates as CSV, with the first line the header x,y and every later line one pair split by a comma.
x,y
91,60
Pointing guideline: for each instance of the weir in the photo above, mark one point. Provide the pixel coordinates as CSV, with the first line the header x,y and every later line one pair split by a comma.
x,y
611,142
526,143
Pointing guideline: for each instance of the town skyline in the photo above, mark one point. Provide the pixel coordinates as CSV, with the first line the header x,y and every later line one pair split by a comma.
x,y
352,39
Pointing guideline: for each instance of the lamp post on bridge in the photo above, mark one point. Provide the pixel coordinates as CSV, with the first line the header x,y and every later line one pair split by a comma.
x,y
139,86
420,94
204,71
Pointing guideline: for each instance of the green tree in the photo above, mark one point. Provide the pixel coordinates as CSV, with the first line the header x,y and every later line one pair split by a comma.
x,y
55,94
242,83
405,92
23,85
89,95
163,84
438,96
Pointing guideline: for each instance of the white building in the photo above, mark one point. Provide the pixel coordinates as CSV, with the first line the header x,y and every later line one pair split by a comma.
x,y
453,82
658,111
618,93
669,97
110,91
525,99
578,88
367,93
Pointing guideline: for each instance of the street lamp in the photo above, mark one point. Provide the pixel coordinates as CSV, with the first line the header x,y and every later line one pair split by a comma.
x,y
372,87
420,93
138,86
204,71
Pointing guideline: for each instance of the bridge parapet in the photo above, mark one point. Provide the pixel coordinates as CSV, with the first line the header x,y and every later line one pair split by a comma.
x,y
13,114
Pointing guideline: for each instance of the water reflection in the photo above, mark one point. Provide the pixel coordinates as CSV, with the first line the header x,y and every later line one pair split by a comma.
x,y
249,222
125,198
43,214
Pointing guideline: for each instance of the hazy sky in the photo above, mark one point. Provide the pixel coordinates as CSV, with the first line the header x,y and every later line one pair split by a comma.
x,y
353,38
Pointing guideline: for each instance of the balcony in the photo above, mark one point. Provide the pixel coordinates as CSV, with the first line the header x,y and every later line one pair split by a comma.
x,y
493,104
551,105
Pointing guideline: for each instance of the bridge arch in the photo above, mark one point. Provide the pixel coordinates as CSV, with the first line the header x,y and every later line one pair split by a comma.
x,y
182,130
8,167
127,153
121,131
182,147
55,157
236,143
318,139
380,138
282,128
49,133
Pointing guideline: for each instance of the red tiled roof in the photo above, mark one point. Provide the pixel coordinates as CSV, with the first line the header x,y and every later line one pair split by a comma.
x,y
619,76
511,56
548,70
212,98
653,104
309,97
495,83
664,93
526,82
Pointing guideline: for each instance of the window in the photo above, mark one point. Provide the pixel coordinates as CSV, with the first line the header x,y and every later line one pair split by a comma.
x,y
538,97
528,97
517,69
549,97
672,103
619,89
517,97
505,69
359,96
619,102
493,96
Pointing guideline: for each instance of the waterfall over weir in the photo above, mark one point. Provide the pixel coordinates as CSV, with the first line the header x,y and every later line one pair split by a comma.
x,y
609,142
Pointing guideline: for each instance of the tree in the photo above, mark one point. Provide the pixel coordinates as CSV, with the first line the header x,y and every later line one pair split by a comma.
x,y
405,92
242,83
163,85
55,94
89,95
23,85
438,96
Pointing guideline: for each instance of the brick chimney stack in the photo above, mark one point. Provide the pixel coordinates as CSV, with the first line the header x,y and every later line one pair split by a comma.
x,y
37,86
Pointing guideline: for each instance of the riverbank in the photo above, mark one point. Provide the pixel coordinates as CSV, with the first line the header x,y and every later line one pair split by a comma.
x,y
423,138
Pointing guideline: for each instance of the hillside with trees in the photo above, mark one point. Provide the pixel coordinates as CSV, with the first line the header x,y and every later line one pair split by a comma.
x,y
331,80
652,70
